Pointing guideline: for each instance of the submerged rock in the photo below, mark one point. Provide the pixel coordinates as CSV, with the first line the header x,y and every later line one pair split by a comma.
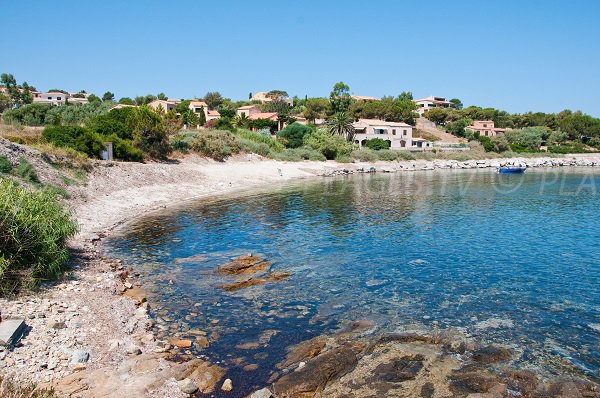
x,y
187,386
303,351
491,354
244,265
248,282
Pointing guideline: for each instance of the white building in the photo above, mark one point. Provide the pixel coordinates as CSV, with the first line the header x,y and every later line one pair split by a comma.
x,y
398,134
58,98
427,103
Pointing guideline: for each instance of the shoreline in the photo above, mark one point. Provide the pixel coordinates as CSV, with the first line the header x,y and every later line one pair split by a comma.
x,y
106,313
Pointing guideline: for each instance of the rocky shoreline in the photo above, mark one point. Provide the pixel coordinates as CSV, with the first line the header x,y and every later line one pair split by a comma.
x,y
90,334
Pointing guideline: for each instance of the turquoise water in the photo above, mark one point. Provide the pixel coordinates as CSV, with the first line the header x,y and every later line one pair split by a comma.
x,y
508,259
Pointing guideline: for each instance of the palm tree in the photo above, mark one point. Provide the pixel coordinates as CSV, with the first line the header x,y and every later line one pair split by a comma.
x,y
341,123
242,121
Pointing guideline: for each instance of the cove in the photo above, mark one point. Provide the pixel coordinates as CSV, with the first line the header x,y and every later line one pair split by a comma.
x,y
512,260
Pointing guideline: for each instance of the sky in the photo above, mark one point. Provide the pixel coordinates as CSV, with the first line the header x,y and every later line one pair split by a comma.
x,y
525,55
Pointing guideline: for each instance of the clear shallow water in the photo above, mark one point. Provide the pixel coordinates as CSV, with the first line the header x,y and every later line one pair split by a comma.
x,y
509,259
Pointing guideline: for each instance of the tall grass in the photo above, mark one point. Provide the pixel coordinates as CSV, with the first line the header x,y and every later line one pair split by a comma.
x,y
9,388
33,230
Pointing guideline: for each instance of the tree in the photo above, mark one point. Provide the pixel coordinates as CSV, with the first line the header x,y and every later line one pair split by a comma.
x,y
405,96
17,95
162,96
213,99
277,94
341,124
316,108
457,103
241,121
340,97
437,115
126,101
331,146
150,133
108,97
93,98
294,134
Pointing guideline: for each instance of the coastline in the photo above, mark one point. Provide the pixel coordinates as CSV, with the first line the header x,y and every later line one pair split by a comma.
x,y
101,305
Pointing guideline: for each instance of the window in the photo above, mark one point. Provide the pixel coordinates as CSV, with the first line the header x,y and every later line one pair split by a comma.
x,y
405,132
394,132
58,98
485,125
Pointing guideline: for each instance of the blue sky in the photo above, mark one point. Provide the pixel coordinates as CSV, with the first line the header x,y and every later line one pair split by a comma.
x,y
513,55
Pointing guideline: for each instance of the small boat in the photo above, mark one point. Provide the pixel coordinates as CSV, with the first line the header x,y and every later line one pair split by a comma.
x,y
504,170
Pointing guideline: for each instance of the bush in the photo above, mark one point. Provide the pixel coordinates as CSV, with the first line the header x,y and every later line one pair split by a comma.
x,y
26,171
5,165
528,139
377,144
64,157
29,115
299,154
500,143
294,134
33,231
365,155
250,146
150,133
488,146
215,144
10,388
125,150
345,158
329,145
387,155
405,155
263,137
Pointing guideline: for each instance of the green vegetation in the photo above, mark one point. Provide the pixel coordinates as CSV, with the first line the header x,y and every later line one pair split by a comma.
x,y
561,132
27,172
377,144
9,388
5,165
331,146
294,134
33,231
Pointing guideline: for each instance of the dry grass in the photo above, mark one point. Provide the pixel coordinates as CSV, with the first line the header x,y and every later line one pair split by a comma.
x,y
9,388
21,134
424,134
63,157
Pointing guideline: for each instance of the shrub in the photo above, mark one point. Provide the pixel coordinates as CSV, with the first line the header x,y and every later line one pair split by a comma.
x,y
299,154
487,143
260,124
365,155
261,137
528,139
250,146
215,144
345,158
329,145
67,157
125,150
33,231
29,115
405,155
500,143
150,133
377,144
10,388
5,165
26,171
294,134
458,127
89,143
62,136
387,155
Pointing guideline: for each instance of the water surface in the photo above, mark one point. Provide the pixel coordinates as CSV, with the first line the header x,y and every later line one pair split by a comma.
x,y
509,259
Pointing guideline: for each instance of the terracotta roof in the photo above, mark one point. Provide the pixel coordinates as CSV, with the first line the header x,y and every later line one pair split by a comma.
x,y
214,113
198,103
376,122
263,115
247,107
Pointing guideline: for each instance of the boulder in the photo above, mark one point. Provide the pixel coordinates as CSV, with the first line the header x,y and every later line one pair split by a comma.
x,y
187,386
227,385
244,265
491,354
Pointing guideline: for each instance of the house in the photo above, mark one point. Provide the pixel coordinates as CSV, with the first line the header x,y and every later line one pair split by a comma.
x,y
397,134
120,106
263,97
166,105
485,128
212,115
247,110
363,98
268,116
52,98
199,106
427,103
421,144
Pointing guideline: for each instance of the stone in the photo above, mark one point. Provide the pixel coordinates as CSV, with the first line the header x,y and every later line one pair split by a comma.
x,y
263,393
490,354
303,351
187,386
319,371
78,367
137,295
427,390
202,342
244,265
128,285
400,369
244,283
56,325
134,350
80,357
181,343
11,331
227,385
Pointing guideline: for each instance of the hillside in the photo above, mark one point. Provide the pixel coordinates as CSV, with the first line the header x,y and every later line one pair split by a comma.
x,y
430,128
